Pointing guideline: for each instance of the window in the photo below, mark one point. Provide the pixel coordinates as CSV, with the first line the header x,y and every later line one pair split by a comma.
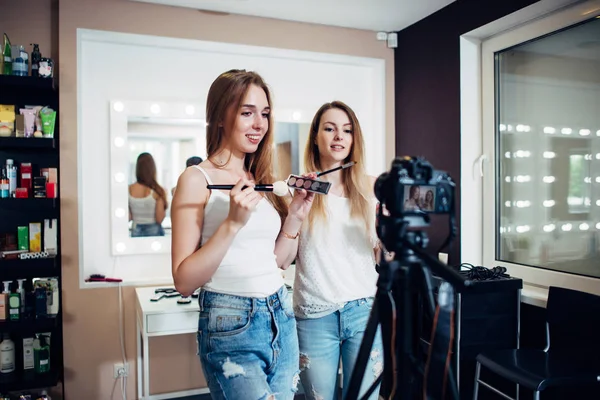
x,y
541,83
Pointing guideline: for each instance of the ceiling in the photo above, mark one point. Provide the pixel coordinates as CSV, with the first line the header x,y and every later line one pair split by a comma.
x,y
374,15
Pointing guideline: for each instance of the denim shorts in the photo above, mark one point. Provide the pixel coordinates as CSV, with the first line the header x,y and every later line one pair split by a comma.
x,y
248,347
144,230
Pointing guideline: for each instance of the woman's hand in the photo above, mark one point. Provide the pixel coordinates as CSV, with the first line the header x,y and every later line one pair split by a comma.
x,y
242,202
302,201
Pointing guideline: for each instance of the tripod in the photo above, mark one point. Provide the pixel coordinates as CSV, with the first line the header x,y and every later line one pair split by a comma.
x,y
398,281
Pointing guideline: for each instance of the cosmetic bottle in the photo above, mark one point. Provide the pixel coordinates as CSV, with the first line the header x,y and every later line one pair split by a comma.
x,y
4,301
36,56
7,355
41,353
14,306
4,184
21,292
41,302
11,175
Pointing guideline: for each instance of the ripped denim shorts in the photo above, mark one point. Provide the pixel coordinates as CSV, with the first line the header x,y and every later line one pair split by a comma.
x,y
248,347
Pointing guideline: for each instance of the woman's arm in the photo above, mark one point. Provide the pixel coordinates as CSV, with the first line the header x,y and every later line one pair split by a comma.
x,y
286,246
160,210
191,266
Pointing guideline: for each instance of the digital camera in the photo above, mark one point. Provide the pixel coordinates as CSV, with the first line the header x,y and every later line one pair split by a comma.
x,y
413,187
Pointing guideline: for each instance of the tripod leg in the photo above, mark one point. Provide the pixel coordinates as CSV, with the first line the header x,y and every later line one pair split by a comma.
x,y
430,304
406,366
358,371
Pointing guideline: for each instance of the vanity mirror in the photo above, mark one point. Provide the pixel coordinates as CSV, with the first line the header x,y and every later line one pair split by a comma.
x,y
150,144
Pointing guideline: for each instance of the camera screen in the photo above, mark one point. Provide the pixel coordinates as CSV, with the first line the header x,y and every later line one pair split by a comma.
x,y
419,198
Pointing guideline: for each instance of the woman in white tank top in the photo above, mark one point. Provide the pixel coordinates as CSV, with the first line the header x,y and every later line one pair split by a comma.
x,y
233,244
335,280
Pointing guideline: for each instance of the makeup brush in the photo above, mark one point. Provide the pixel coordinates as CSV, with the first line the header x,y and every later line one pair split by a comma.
x,y
347,165
279,188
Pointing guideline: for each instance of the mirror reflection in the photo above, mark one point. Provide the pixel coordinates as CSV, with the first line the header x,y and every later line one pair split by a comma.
x,y
160,150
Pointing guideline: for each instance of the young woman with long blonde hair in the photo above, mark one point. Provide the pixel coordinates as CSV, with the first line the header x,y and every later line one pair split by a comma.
x,y
335,280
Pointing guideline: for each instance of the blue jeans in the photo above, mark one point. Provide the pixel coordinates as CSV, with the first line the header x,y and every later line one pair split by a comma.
x,y
144,230
323,340
248,346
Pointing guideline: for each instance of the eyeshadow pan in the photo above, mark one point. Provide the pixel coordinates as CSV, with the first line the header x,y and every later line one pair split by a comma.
x,y
312,185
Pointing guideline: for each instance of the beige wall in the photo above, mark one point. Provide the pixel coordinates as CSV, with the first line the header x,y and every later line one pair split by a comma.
x,y
91,336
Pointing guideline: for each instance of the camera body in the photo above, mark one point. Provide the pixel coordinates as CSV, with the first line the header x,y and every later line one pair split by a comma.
x,y
414,188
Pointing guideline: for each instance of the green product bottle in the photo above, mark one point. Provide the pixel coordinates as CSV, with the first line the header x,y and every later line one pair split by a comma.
x,y
7,56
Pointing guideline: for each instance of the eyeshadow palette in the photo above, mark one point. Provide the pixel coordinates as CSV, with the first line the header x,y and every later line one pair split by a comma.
x,y
311,185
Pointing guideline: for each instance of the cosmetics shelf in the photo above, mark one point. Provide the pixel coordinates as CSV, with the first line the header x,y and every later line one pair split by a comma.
x,y
13,382
25,82
31,325
29,204
13,142
30,268
32,213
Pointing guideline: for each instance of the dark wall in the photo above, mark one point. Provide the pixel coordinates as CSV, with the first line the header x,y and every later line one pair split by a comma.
x,y
427,75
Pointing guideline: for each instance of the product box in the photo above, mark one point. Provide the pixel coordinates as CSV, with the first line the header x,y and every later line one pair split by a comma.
x,y
35,237
25,175
28,359
51,236
23,238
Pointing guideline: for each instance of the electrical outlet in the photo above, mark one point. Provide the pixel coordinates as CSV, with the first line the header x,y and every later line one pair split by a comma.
x,y
120,370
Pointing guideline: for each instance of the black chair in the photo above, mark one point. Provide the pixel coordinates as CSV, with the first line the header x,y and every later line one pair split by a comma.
x,y
571,356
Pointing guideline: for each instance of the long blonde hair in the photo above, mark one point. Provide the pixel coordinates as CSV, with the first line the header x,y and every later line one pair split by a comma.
x,y
356,182
227,93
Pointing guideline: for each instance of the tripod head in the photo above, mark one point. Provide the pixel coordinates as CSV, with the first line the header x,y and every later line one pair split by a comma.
x,y
410,192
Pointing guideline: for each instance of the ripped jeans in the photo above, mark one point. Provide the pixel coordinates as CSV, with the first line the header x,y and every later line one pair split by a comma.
x,y
323,340
248,347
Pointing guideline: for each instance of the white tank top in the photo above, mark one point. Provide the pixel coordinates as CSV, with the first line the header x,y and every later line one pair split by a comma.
x,y
335,262
143,209
249,267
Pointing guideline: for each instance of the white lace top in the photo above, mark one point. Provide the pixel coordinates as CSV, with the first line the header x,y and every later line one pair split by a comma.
x,y
335,262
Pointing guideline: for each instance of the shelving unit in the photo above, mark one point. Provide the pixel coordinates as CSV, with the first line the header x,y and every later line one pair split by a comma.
x,y
14,212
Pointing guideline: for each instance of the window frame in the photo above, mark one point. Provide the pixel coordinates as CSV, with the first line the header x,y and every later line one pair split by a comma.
x,y
533,276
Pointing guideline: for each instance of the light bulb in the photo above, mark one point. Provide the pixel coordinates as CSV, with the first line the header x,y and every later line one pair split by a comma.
x,y
118,106
119,141
119,212
119,177
549,130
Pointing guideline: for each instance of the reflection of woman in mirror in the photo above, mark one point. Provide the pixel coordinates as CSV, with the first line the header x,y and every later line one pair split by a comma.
x,y
336,278
233,244
428,201
147,199
412,203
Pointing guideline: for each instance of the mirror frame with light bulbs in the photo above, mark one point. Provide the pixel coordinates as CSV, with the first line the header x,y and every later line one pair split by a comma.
x,y
122,112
